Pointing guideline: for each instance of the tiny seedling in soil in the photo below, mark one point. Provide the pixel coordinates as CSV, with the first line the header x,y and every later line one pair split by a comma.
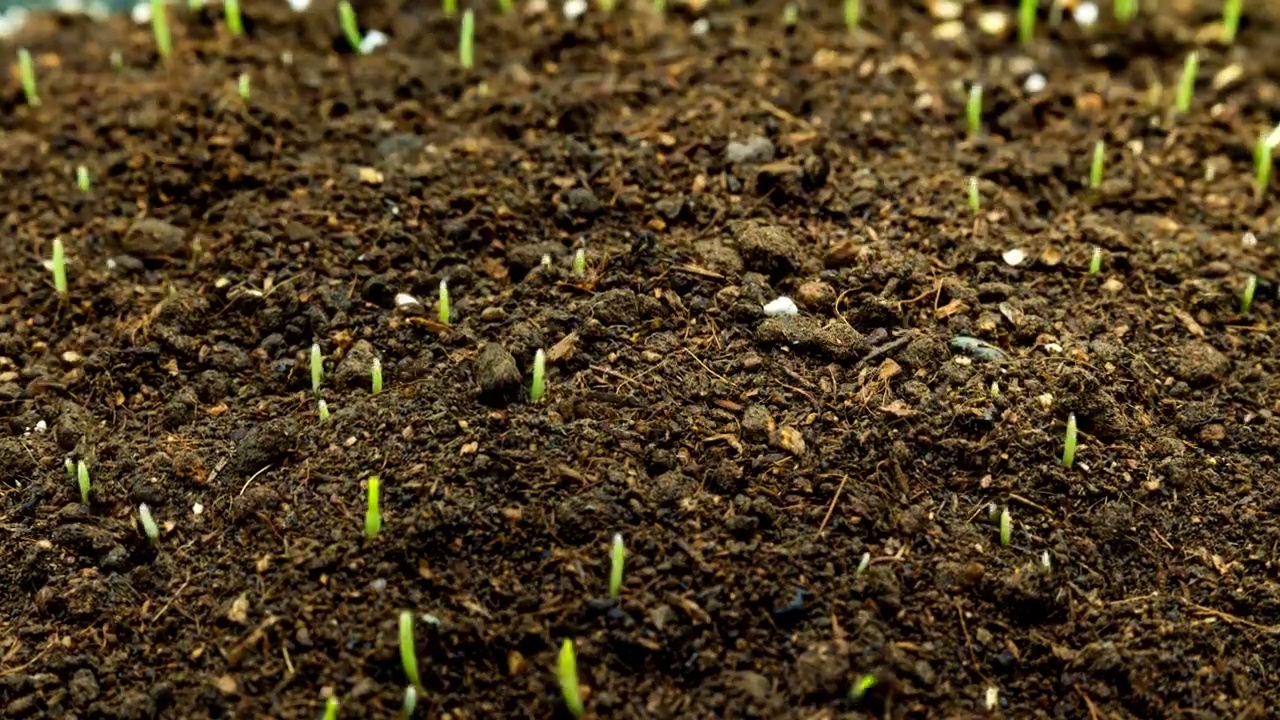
x,y
408,652
466,41
538,388
1069,445
443,305
852,14
863,564
1262,163
1095,168
862,686
506,6
59,267
580,262
1230,20
375,376
1027,21
231,11
1187,84
317,368
331,709
350,28
791,15
410,705
1006,527
973,109
322,408
567,672
27,73
83,181
995,389
243,87
372,515
617,556
1126,10
1095,261
975,201
160,28
70,465
449,8
1246,298
149,527
82,479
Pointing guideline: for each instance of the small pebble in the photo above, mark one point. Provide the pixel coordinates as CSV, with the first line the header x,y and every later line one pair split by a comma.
x,y
781,306
1085,14
1034,83
1014,257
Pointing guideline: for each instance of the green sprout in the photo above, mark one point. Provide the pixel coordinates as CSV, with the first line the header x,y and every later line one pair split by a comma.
x,y
862,686
617,555
317,368
1027,20
506,6
1230,20
852,14
408,652
27,73
975,201
322,408
791,15
59,267
973,109
331,708
995,389
372,515
410,705
149,527
1187,84
1095,168
70,465
1095,261
450,8
1246,299
443,306
231,11
580,262
82,478
466,41
375,372
160,28
567,672
538,388
347,19
1069,445
83,181
863,564
1126,10
243,86
1262,163
1006,527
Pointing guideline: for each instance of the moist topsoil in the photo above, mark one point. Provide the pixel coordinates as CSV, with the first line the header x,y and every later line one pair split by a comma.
x,y
749,462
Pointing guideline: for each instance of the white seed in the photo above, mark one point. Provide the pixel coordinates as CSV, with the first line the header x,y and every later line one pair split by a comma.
x,y
372,40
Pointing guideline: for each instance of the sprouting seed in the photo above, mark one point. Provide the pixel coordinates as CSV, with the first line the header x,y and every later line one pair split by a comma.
x,y
993,512
992,698
1126,10
1044,560
59,267
862,686
117,60
567,672
538,388
580,262
450,8
546,261
442,307
1095,261
506,6
82,479
350,28
1027,20
317,368
863,564
466,41
149,527
27,72
791,15
1230,20
995,389
1262,162
1069,445
160,28
83,181
331,708
1006,527
372,515
410,705
408,652
617,555
975,201
1187,84
322,408
1246,298
375,373
70,465
231,11
973,109
243,86
1095,168
852,14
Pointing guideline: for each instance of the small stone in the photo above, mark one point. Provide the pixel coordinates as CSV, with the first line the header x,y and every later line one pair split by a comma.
x,y
949,30
493,313
757,149
781,306
582,201
816,294
757,424
409,305
1014,257
1112,285
354,370
790,439
153,238
369,176
993,22
1227,76
497,374
1034,83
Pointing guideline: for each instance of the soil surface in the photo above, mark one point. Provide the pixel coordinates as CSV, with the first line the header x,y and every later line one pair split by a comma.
x,y
748,461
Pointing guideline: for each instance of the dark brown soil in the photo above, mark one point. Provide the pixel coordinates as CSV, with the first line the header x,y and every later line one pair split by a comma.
x,y
748,462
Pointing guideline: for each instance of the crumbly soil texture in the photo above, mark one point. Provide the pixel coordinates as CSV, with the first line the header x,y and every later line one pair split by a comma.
x,y
806,499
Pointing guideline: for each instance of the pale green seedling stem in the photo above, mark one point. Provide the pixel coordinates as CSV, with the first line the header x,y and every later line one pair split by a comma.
x,y
149,527
331,709
372,515
852,14
1231,20
408,651
449,8
375,371
160,28
975,200
83,182
466,41
442,307
1069,444
538,388
973,110
617,557
1096,167
1006,527
567,672
59,267
1027,21
1187,83
82,479
243,86
1246,298
350,28
1095,261
317,368
231,11
322,408
27,73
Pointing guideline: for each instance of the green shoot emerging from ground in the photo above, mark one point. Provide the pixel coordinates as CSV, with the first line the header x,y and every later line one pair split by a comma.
x,y
1230,20
862,686
350,28
443,306
852,14
160,28
231,11
1069,445
1246,298
83,181
375,374
1187,84
1006,527
242,86
70,465
617,556
1126,10
82,479
1095,261
580,262
408,652
567,672
149,527
975,201
466,41
317,368
322,408
372,515
791,15
973,109
863,564
994,390
1262,163
331,709
1027,21
538,388
27,73
59,267
450,8
1095,168
410,705
506,6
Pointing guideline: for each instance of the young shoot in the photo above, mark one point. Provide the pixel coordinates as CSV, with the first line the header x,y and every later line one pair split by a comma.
x,y
852,14
231,11
408,651
350,28
160,28
567,672
449,8
410,705
995,389
83,181
1187,84
331,708
973,109
82,479
1126,10
1027,21
975,201
1262,163
317,368
27,73
466,41
70,465
1095,261
1006,527
375,373
372,515
243,86
1095,168
580,262
149,527
863,564
322,408
506,6
791,15
538,388
59,267
617,555
1246,298
443,306
1230,20
862,686
1069,445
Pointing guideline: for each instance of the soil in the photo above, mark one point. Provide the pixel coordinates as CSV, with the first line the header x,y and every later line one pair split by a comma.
x,y
749,462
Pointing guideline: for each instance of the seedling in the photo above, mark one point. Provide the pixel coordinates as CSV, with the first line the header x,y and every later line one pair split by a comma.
x,y
538,388
160,28
59,267
1187,84
410,705
862,686
852,14
863,564
1126,10
372,515
149,527
567,672
83,181
70,465
317,368
791,15
1044,560
1095,168
331,708
617,555
408,652
1027,20
242,86
231,11
995,389
975,201
1095,261
1006,527
1262,163
506,6
1069,445
351,29
322,408
443,306
466,42
973,109
580,262
450,8
27,73
1246,298
82,479
375,372
1230,20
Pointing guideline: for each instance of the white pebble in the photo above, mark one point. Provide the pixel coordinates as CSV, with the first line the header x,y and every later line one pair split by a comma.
x,y
1249,240
42,426
781,306
299,5
700,26
141,13
1034,83
197,509
1085,14
574,9
372,40
405,301
1014,257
